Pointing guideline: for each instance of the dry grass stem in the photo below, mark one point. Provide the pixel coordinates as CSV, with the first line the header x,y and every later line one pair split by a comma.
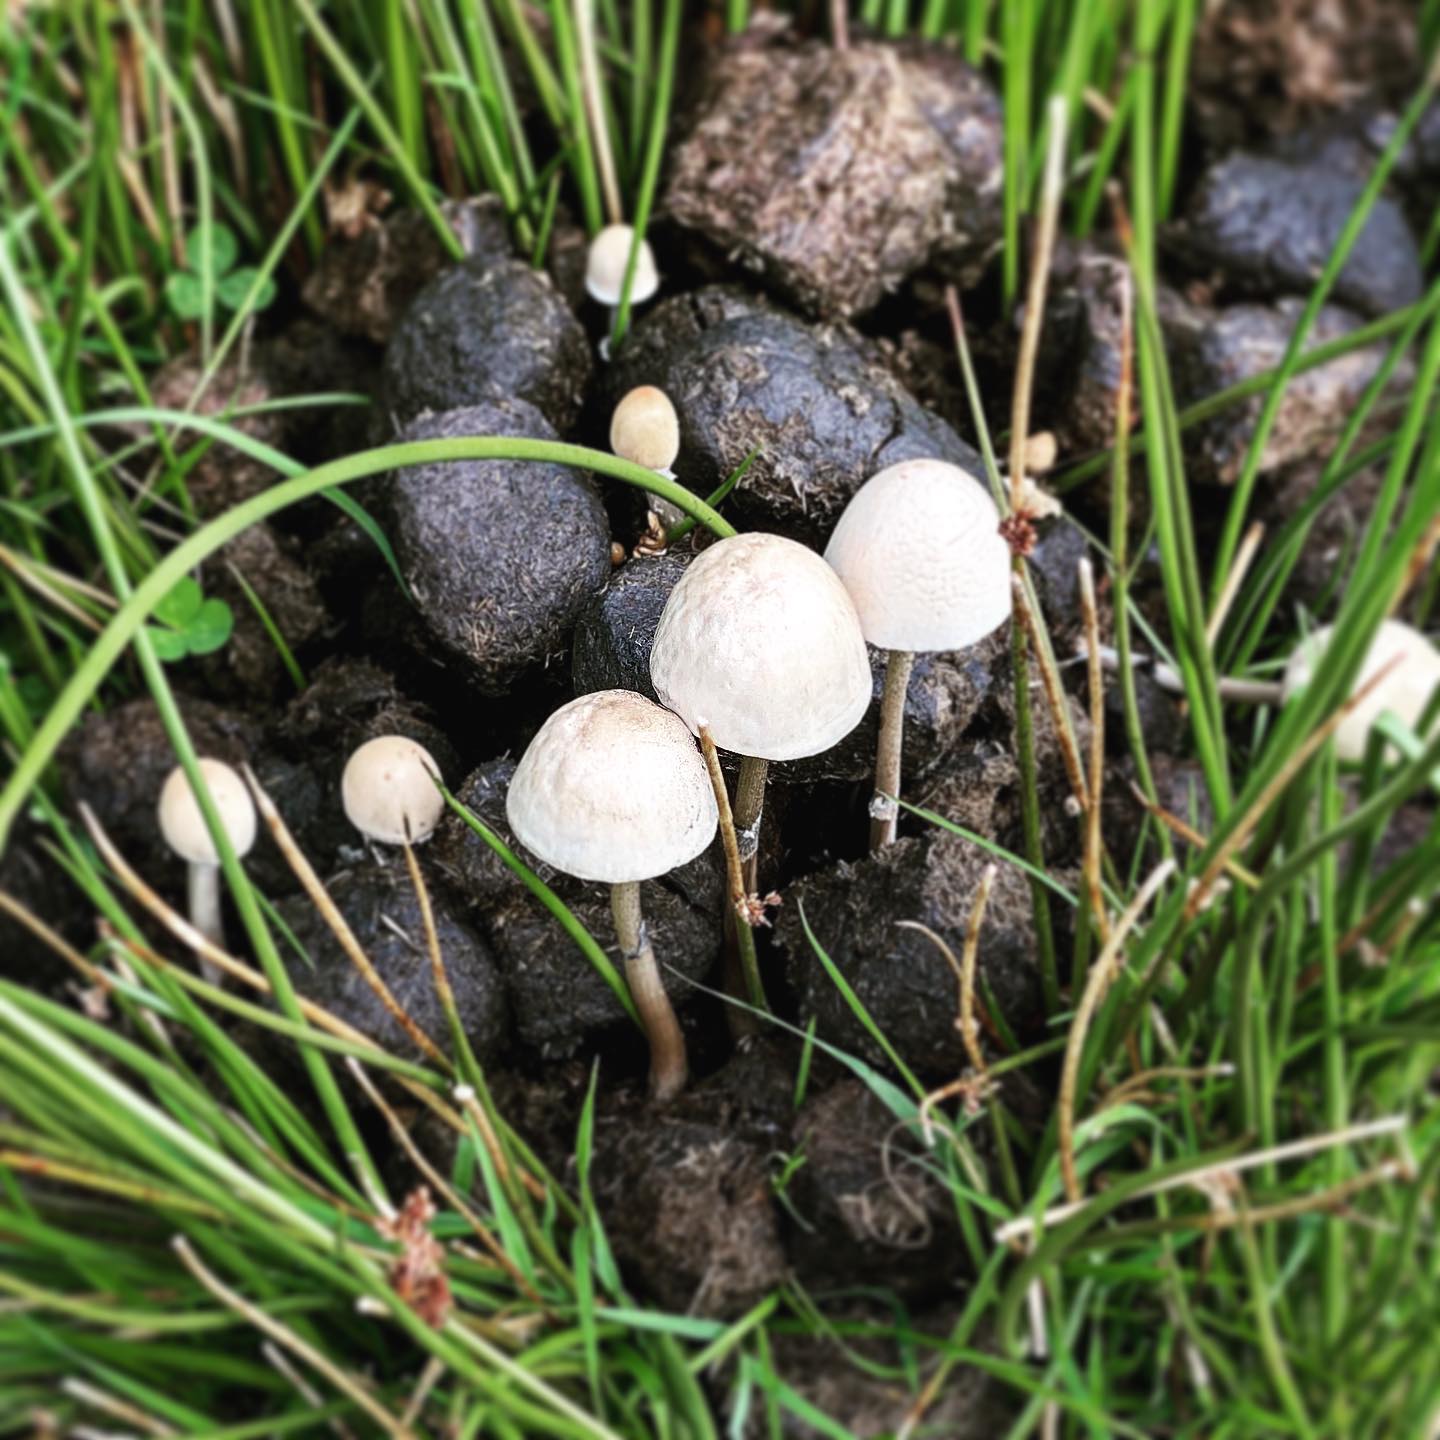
x,y
189,936
1092,848
493,1248
347,1385
1101,975
1019,1229
1046,225
1240,836
1244,559
1192,836
1054,694
339,926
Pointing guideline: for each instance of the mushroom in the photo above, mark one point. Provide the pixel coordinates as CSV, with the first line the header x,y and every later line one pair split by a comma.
x,y
1405,689
613,790
182,823
646,431
759,642
606,263
390,793
920,552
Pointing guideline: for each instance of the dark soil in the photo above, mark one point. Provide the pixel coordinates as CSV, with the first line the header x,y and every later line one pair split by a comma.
x,y
487,332
500,556
381,908
822,411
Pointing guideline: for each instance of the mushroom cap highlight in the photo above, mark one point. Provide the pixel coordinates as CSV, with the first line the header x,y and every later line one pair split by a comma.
x,y
389,791
645,428
760,642
605,264
920,551
612,789
1405,690
182,824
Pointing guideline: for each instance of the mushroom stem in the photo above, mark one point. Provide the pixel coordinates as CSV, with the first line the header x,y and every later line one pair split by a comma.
x,y
642,974
749,810
203,889
884,811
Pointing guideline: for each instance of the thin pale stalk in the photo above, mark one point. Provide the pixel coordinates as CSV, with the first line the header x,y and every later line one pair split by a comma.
x,y
749,812
884,811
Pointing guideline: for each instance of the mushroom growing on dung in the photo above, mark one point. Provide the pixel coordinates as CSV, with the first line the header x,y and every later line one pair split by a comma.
x,y
759,642
605,266
1405,689
389,791
183,825
613,790
920,552
646,431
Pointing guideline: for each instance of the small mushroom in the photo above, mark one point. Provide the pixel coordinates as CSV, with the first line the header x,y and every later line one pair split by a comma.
x,y
1405,689
920,552
613,790
646,431
759,642
389,791
606,263
186,833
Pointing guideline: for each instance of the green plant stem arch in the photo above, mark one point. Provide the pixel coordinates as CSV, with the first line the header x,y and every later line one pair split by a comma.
x,y
111,642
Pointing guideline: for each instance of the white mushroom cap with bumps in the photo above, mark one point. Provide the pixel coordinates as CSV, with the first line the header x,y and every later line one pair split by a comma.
x,y
1405,690
183,825
389,791
920,551
759,641
605,264
612,789
645,428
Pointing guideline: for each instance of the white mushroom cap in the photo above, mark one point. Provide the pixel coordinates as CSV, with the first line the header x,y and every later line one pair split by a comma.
x,y
760,642
645,428
613,789
920,551
605,264
389,791
182,824
1406,690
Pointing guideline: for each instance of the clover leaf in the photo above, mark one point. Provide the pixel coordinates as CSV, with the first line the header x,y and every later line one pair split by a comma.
x,y
186,292
189,623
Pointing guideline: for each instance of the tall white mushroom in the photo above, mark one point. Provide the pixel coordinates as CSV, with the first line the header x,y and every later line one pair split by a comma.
x,y
759,642
612,789
920,551
1405,690
606,262
183,825
389,790
646,431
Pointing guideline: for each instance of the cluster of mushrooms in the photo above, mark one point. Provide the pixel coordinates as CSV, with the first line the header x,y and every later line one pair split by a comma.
x,y
613,789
